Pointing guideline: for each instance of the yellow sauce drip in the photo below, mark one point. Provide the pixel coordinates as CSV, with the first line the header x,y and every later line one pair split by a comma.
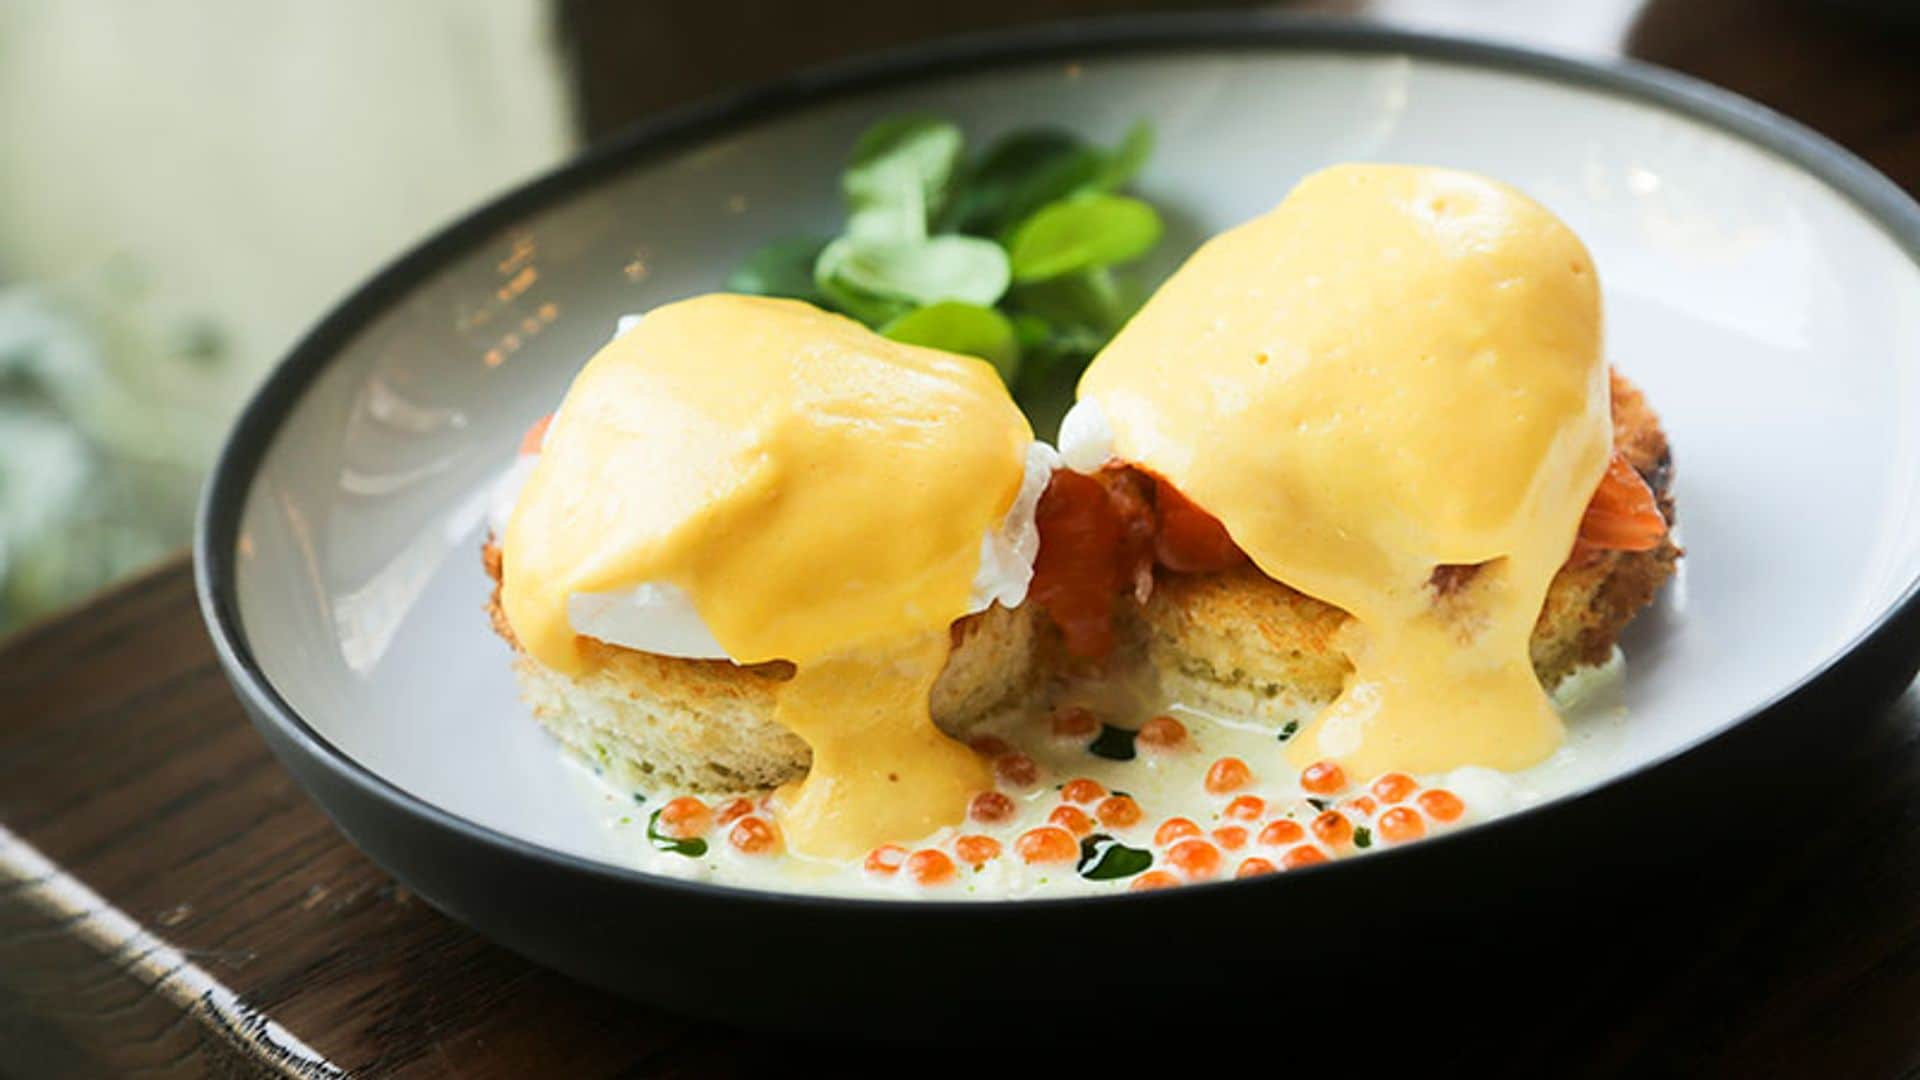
x,y
820,493
1398,368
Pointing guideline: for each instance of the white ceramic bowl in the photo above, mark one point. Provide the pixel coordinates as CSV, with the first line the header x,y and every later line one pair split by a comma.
x,y
1760,284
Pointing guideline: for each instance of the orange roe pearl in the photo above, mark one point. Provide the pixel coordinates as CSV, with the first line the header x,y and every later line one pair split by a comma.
x,y
1441,805
1074,722
1083,791
1394,787
1230,837
976,850
1333,829
1048,843
1401,824
930,867
1072,819
1118,811
1281,833
1228,774
1362,805
1195,858
989,807
1253,867
1162,733
1154,879
734,811
990,745
1304,855
684,818
1246,808
1324,778
1173,829
885,859
753,836
1017,769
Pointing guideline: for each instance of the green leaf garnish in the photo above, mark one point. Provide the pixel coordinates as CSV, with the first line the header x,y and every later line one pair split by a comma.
x,y
1082,233
927,229
640,797
1113,743
782,268
1102,858
963,268
1128,158
1288,731
898,176
1021,173
967,329
1362,837
692,849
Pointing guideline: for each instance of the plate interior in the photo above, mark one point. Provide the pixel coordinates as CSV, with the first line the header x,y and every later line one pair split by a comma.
x,y
1775,326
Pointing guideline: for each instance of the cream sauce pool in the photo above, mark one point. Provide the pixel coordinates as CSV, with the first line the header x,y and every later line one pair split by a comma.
x,y
1193,818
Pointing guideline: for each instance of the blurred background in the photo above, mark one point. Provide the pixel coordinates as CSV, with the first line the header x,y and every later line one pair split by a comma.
x,y
185,186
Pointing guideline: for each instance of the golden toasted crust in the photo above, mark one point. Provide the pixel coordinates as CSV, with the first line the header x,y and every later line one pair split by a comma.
x,y
1241,643
707,725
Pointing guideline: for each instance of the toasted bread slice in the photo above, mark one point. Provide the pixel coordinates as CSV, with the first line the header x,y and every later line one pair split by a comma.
x,y
1241,644
707,725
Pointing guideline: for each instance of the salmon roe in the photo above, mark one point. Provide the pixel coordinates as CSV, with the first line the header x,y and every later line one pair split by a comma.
x,y
1401,824
1362,805
684,818
1173,829
976,850
1394,787
753,836
1074,722
1281,833
734,811
989,807
1228,774
1083,791
1253,867
1195,858
1118,811
1017,769
1441,805
1162,733
1333,829
1048,843
1230,837
1304,855
1154,879
885,859
930,867
1246,808
1072,819
1324,778
989,745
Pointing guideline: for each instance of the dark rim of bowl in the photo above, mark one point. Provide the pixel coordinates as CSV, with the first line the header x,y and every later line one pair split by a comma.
x,y
253,434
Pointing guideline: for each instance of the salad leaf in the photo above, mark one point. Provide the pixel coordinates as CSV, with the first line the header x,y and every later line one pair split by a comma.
x,y
963,268
899,176
1021,173
968,329
781,268
1082,233
1127,159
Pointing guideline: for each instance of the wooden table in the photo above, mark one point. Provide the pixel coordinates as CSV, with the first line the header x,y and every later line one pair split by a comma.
x,y
170,904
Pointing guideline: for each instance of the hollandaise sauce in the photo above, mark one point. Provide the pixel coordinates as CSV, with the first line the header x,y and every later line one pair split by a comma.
x,y
820,494
1396,370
